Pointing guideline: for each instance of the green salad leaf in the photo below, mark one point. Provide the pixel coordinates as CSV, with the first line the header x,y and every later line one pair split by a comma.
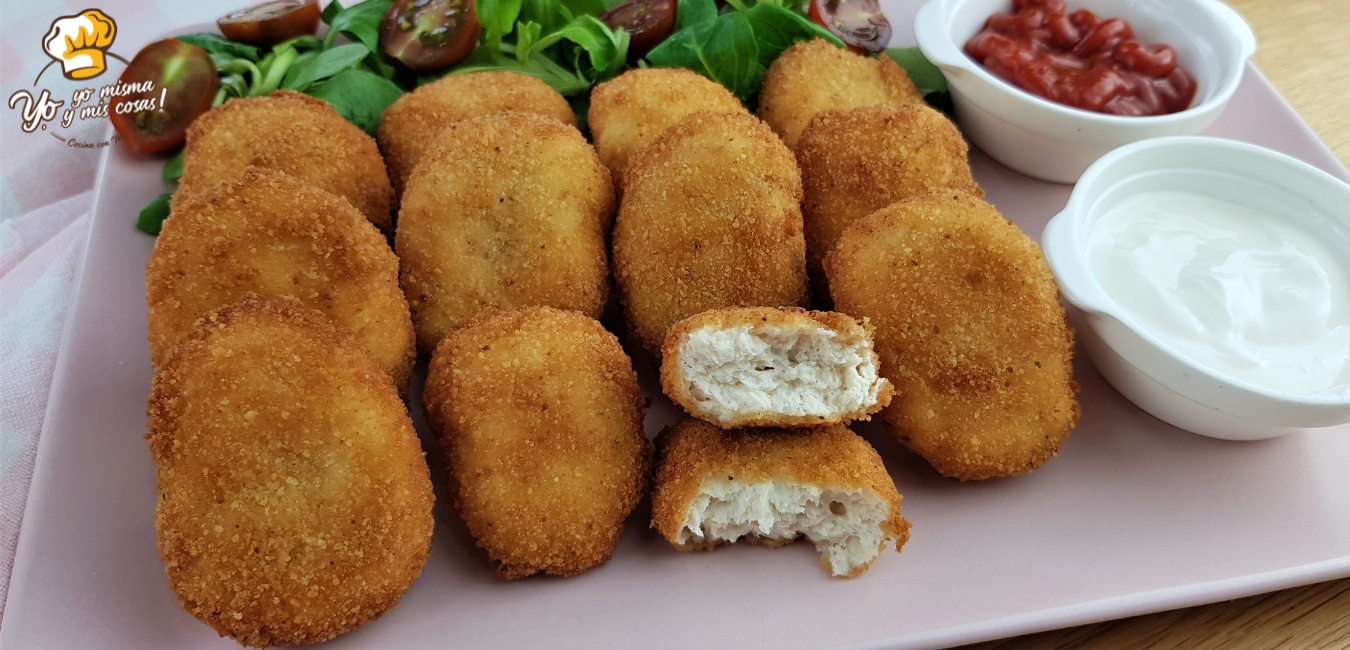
x,y
694,13
215,44
359,22
547,40
173,170
723,49
498,18
926,76
360,96
326,64
151,219
777,28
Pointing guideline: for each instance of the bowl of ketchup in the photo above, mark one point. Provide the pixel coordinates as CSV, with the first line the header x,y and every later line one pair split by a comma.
x,y
1047,87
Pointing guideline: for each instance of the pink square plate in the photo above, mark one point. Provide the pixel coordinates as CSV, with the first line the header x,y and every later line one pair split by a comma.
x,y
1133,516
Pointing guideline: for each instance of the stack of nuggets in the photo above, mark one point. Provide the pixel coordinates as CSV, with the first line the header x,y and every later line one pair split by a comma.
x,y
749,468
295,502
502,239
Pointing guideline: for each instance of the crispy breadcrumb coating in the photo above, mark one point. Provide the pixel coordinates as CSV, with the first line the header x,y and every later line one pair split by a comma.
x,y
410,125
813,76
294,499
828,355
857,161
692,454
710,218
969,328
630,111
540,414
268,234
292,133
505,211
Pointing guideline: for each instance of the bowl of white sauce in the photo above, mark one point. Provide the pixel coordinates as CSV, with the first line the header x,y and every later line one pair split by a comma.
x,y
1213,278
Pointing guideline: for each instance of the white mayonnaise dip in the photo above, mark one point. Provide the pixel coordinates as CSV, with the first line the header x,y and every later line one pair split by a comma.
x,y
1249,295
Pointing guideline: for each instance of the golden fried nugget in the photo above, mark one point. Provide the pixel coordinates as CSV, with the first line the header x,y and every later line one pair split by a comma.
x,y
969,328
710,218
410,125
813,76
294,499
767,366
857,161
540,414
774,486
268,234
292,133
630,111
505,211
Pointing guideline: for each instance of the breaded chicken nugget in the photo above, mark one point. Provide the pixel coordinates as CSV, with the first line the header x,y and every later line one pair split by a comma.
x,y
773,486
813,76
292,133
857,161
294,499
766,366
628,112
710,218
410,125
969,328
540,415
505,211
268,234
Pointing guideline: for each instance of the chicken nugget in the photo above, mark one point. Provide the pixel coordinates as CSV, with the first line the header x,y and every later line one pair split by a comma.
x,y
505,211
630,111
540,415
969,328
410,125
774,486
813,76
780,367
294,500
710,218
859,160
269,234
292,133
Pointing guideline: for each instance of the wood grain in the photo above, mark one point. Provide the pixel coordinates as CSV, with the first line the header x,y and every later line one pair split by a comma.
x,y
1304,48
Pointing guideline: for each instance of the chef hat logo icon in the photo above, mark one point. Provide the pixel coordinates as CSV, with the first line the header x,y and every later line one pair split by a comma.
x,y
80,43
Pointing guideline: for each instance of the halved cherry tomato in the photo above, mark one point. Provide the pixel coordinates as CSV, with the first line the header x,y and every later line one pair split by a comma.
x,y
648,21
182,76
858,23
270,23
429,35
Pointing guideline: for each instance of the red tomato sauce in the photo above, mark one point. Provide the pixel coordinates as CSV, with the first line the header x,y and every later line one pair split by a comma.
x,y
1082,60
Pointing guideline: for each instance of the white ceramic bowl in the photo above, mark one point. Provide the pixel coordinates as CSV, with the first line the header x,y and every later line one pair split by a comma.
x,y
1055,142
1136,362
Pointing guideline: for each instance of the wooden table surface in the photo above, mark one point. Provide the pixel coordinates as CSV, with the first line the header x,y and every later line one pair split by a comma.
x,y
1304,47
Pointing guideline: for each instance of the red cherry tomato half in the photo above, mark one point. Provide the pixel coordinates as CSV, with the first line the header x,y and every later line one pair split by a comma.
x,y
858,23
429,35
648,22
181,77
270,23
